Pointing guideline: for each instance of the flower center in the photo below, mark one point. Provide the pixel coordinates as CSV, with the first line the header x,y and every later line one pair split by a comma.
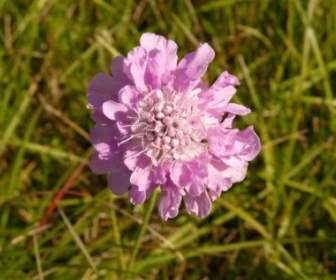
x,y
162,127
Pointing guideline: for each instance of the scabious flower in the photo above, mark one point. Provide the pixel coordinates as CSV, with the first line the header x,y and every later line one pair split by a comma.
x,y
158,125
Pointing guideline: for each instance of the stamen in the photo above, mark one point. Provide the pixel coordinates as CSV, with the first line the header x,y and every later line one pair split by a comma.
x,y
136,154
162,125
128,139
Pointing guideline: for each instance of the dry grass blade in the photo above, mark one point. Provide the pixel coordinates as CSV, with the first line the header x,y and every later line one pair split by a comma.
x,y
78,240
37,257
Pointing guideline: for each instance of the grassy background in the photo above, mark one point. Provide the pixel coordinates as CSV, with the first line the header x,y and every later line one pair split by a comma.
x,y
278,224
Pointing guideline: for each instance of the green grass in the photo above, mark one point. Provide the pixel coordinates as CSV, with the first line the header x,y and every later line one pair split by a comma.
x,y
278,224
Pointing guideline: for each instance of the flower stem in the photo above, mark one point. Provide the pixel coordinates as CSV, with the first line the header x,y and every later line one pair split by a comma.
x,y
142,230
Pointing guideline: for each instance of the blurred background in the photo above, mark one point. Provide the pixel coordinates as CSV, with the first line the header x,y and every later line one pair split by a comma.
x,y
59,221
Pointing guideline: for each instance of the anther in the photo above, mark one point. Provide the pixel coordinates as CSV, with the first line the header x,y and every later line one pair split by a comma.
x,y
158,141
179,134
150,136
158,127
159,115
175,142
167,121
171,132
158,107
166,147
166,139
168,109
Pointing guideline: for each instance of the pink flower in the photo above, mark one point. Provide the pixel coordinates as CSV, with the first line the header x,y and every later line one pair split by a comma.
x,y
158,124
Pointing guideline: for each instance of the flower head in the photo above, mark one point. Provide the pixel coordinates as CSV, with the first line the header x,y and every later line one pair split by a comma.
x,y
159,125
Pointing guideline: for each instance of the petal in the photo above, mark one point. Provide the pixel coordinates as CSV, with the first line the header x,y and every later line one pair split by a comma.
x,y
224,143
215,102
170,201
252,145
135,67
215,193
162,58
196,187
101,88
222,87
227,122
237,109
236,170
119,76
198,205
104,150
135,158
217,97
221,141
159,174
119,180
225,79
217,181
114,110
106,157
129,96
193,66
152,41
99,117
155,68
141,177
138,197
99,165
234,148
193,150
190,175
220,97
198,169
179,174
105,134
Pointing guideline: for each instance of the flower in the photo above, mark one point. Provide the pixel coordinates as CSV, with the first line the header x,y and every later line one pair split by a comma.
x,y
157,124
